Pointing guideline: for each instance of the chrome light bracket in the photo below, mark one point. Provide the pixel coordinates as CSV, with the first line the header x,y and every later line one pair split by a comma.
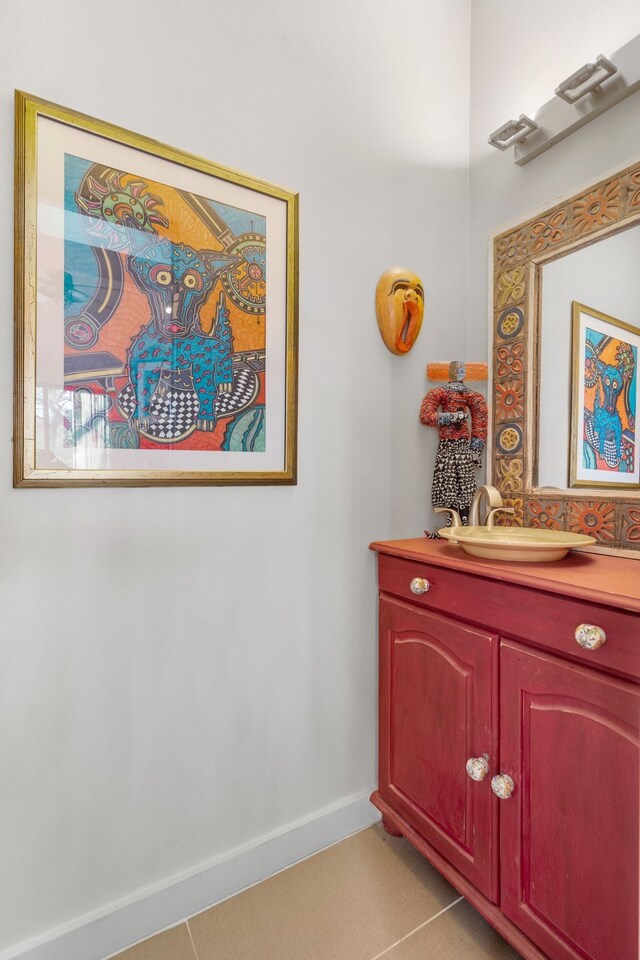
x,y
513,131
586,80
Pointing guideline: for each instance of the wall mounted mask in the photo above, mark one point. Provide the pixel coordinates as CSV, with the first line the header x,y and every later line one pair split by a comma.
x,y
399,308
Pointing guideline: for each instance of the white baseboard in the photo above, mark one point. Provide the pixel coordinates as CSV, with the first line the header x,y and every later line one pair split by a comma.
x,y
119,925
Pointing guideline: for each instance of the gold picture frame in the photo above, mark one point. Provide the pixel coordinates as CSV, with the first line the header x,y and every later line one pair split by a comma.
x,y
143,342
519,254
604,400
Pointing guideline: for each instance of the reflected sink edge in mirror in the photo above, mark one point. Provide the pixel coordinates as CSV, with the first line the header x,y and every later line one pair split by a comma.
x,y
523,544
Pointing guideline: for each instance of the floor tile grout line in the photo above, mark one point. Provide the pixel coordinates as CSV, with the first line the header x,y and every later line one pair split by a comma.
x,y
256,883
420,927
225,899
195,952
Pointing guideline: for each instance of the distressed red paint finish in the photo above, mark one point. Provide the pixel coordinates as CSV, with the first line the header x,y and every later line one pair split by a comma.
x,y
564,845
570,742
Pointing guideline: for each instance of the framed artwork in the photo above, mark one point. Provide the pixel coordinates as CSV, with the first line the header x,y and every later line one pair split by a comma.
x,y
156,312
604,401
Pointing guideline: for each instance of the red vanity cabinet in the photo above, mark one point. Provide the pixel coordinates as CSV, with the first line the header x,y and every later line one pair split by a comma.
x,y
438,696
569,841
479,662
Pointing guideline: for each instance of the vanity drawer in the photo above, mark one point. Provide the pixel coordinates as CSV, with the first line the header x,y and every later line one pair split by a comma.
x,y
551,621
449,591
544,619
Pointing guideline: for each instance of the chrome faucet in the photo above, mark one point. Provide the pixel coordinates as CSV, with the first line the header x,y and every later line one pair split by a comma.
x,y
494,505
493,498
494,502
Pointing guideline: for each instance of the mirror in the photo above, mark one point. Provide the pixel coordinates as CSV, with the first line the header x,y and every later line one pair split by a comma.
x,y
583,251
605,277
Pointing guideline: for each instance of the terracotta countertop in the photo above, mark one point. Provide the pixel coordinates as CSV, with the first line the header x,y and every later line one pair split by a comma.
x,y
614,581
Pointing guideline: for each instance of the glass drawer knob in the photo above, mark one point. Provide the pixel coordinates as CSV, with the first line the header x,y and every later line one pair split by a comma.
x,y
418,585
477,768
502,786
589,636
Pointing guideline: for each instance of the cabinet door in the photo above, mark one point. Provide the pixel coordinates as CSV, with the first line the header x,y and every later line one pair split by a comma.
x,y
569,831
438,691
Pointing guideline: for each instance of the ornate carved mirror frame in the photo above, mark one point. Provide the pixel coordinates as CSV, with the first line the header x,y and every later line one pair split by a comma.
x,y
612,516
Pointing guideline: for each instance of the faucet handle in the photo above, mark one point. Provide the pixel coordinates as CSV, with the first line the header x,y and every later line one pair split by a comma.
x,y
493,498
492,513
456,521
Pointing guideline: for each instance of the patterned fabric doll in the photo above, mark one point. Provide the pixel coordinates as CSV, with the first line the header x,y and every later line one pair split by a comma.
x,y
454,481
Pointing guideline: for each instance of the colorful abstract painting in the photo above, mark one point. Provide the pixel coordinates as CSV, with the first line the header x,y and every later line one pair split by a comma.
x,y
605,400
165,296
157,324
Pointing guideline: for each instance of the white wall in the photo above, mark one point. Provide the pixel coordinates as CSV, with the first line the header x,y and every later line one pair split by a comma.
x,y
517,60
143,735
152,722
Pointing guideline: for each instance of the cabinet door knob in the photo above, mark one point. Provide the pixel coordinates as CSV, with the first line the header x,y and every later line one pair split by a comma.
x,y
477,768
502,786
418,585
589,636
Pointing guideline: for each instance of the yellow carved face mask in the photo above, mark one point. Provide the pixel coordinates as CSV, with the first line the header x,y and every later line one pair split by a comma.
x,y
399,308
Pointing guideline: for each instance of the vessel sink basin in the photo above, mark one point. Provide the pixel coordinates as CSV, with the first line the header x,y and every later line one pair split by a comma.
x,y
525,544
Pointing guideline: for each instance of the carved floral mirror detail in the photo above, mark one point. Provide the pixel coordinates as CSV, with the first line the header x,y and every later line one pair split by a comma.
x,y
519,254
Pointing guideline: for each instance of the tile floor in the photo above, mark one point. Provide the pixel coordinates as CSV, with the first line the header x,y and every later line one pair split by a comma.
x,y
368,897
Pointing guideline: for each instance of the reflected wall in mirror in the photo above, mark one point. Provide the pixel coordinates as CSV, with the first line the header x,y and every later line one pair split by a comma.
x,y
584,250
605,278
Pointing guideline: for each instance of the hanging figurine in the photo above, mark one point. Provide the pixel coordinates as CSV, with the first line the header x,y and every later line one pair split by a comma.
x,y
459,451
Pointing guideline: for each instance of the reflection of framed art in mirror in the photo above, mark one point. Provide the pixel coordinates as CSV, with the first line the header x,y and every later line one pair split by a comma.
x,y
611,514
604,400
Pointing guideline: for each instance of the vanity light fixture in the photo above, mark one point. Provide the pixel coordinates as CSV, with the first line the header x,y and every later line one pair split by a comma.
x,y
586,80
609,81
513,131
